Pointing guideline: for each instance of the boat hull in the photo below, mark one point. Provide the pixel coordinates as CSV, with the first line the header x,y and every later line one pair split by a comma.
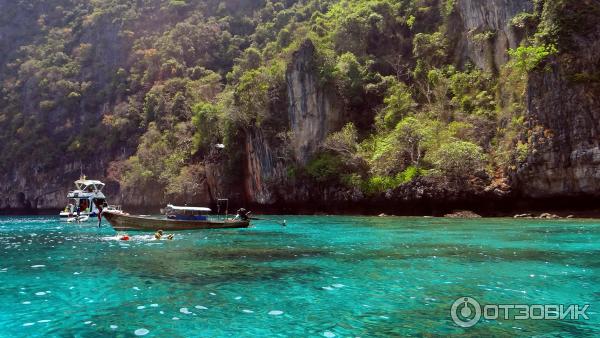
x,y
124,222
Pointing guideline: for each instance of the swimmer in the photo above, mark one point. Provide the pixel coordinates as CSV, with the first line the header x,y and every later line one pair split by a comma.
x,y
170,237
158,235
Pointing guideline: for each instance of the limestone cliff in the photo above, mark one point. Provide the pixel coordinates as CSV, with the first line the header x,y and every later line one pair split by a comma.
x,y
41,189
313,112
261,170
270,163
485,30
564,112
312,108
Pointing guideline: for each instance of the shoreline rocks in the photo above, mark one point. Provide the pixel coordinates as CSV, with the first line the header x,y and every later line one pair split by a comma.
x,y
548,216
542,216
462,214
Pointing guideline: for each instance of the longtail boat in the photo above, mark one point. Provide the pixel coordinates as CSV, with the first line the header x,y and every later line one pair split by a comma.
x,y
175,218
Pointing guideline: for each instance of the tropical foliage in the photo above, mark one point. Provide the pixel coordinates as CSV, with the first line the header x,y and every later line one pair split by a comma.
x,y
155,84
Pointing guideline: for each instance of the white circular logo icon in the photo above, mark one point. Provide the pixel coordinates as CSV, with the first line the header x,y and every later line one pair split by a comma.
x,y
465,312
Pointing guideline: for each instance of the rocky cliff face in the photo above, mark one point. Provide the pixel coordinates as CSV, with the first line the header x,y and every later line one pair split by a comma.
x,y
262,169
40,189
485,30
29,184
563,101
312,109
564,113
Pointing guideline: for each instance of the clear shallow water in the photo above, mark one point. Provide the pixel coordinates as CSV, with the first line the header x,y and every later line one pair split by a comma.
x,y
320,276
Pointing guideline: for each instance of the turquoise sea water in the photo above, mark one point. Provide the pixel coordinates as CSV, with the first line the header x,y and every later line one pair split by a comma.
x,y
320,276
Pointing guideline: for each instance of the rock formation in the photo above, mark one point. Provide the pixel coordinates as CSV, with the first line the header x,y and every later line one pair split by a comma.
x,y
312,109
486,31
562,103
564,113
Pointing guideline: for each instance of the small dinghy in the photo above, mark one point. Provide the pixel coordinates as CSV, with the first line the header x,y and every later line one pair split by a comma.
x,y
82,218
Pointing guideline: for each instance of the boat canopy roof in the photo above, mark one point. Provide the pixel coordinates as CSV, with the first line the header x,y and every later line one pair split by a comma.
x,y
82,184
178,208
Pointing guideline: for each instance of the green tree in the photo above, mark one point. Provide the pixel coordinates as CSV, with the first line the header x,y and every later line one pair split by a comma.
x,y
527,58
430,48
207,121
398,103
414,136
345,144
405,145
458,159
325,167
350,74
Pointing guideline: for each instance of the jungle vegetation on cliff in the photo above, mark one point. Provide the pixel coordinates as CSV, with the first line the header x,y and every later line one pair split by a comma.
x,y
150,87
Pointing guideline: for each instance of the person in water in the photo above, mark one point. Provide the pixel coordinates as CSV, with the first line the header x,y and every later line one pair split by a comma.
x,y
159,235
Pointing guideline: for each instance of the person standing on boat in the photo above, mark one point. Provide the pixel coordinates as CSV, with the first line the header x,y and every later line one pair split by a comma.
x,y
78,213
242,214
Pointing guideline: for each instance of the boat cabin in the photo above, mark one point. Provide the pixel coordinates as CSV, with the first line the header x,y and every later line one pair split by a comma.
x,y
86,205
187,213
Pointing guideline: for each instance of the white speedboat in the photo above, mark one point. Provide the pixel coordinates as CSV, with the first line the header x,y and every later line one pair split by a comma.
x,y
87,197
